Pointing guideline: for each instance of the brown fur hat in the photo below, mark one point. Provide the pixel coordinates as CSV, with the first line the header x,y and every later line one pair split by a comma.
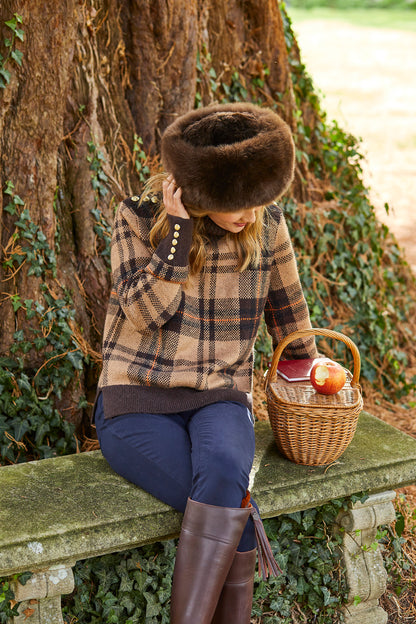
x,y
229,157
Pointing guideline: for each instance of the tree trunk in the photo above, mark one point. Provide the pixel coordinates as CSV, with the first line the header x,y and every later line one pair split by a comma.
x,y
80,125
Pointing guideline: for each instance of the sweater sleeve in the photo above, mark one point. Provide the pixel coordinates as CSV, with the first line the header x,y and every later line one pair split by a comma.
x,y
286,309
147,283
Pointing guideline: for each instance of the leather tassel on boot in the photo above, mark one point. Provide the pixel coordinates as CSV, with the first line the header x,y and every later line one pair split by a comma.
x,y
207,545
267,562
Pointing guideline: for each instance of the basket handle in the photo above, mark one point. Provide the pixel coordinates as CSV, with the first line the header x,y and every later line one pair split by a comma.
x,y
314,331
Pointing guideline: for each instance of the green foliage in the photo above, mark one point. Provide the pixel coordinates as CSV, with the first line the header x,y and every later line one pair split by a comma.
x,y
350,264
312,582
8,608
234,89
140,161
126,588
399,18
99,181
264,350
13,54
354,4
206,78
30,425
398,550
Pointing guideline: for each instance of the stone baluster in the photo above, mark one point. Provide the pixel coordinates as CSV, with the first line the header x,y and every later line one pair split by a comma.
x,y
363,562
40,597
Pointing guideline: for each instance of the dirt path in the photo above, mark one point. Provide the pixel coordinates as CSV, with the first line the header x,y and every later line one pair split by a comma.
x,y
368,78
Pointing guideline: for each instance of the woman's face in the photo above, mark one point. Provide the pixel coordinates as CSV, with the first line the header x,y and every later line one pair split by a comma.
x,y
235,221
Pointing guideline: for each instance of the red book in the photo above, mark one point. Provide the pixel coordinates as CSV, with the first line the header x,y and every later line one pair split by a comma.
x,y
296,370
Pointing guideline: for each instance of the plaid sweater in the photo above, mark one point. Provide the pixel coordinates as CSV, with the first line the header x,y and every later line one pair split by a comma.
x,y
175,341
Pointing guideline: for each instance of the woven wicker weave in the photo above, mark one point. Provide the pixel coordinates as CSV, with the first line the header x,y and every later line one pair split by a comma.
x,y
310,428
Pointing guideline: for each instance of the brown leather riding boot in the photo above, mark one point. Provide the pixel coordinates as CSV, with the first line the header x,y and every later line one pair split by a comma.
x,y
236,600
207,544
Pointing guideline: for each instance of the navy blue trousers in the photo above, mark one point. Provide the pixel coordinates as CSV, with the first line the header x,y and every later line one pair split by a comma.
x,y
205,454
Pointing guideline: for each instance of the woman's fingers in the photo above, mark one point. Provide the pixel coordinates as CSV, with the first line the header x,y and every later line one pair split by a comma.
x,y
172,198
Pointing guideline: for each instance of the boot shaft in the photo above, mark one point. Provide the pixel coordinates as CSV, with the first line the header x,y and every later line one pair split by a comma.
x,y
236,599
207,545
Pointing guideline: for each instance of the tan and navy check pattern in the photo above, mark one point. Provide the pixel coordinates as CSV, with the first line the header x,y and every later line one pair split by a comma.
x,y
175,341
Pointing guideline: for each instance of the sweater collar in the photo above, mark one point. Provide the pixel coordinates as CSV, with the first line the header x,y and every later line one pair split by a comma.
x,y
212,229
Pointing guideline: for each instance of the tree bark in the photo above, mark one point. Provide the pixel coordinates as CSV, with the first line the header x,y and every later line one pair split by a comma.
x,y
99,82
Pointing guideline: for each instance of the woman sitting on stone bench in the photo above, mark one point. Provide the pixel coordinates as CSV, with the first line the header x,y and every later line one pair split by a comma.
x,y
195,262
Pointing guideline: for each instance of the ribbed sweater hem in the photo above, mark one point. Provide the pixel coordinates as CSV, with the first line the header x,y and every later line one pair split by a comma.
x,y
119,400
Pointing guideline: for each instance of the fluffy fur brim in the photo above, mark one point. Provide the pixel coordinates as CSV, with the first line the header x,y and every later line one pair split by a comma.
x,y
229,157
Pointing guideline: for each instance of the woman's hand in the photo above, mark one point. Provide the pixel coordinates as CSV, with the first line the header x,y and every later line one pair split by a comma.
x,y
172,199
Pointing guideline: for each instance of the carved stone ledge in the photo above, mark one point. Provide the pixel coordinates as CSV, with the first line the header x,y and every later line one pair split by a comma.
x,y
40,597
365,573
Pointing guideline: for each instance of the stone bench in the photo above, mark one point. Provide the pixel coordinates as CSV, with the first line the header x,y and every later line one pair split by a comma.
x,y
57,511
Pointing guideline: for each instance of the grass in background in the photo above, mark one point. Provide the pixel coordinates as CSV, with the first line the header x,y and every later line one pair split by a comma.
x,y
392,14
376,18
354,4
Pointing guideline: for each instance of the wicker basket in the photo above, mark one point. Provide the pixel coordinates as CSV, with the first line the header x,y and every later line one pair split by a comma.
x,y
310,428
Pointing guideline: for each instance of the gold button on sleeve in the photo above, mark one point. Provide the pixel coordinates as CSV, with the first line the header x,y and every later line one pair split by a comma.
x,y
170,257
135,198
174,241
176,234
172,250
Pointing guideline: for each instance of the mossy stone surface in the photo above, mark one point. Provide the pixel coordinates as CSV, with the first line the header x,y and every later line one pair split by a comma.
x,y
379,458
69,508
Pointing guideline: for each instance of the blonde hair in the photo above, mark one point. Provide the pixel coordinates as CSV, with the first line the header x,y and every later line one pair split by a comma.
x,y
248,242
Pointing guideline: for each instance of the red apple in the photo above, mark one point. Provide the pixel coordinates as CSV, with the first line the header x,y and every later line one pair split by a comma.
x,y
328,377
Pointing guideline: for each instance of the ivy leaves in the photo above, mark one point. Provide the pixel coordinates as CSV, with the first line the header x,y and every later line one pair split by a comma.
x,y
30,425
311,582
126,588
13,53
